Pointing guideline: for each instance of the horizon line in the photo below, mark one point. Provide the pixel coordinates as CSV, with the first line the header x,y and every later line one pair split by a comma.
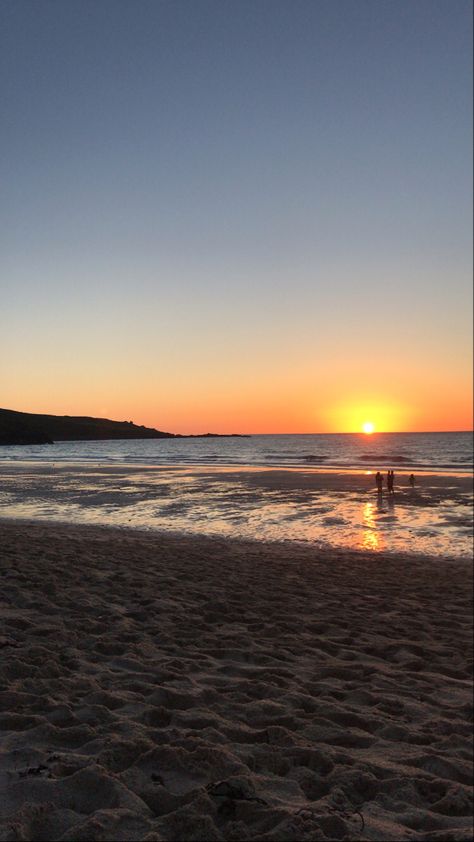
x,y
312,433
341,433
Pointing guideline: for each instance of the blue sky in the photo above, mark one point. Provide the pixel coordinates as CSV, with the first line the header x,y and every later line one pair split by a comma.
x,y
236,190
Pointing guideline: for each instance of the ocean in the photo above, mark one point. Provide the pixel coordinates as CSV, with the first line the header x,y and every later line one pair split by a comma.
x,y
446,452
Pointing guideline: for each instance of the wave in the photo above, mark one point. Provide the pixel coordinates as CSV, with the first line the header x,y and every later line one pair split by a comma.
x,y
444,465
386,457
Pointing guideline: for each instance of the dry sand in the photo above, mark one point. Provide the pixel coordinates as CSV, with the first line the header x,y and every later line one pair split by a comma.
x,y
178,688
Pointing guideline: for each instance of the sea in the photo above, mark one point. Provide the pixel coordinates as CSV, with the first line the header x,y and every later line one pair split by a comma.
x,y
316,489
404,451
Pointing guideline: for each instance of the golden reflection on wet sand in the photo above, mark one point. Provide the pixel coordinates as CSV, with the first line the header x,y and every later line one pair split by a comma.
x,y
370,537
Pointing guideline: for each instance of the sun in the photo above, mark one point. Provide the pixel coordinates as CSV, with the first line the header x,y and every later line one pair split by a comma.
x,y
368,427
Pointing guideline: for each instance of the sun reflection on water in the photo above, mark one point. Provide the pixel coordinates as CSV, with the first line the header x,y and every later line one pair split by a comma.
x,y
370,537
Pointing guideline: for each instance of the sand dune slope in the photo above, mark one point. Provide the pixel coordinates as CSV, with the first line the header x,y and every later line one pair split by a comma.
x,y
166,688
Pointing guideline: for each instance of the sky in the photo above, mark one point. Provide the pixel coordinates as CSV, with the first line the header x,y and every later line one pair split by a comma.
x,y
237,216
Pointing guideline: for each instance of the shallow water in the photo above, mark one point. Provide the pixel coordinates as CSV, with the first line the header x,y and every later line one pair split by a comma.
x,y
340,509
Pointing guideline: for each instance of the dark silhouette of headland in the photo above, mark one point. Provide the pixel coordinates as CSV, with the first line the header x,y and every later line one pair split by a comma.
x,y
28,428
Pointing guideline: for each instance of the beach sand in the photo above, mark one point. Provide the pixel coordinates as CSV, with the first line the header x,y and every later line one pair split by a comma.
x,y
163,687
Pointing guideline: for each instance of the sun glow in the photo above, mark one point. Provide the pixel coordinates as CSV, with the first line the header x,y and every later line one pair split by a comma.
x,y
368,415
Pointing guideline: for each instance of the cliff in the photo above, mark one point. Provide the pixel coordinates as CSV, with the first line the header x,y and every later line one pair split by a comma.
x,y
26,428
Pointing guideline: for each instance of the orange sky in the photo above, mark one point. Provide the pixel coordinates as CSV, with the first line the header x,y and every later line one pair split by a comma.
x,y
268,231
278,370
232,398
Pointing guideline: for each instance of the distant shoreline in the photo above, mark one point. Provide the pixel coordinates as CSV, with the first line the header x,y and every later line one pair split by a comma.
x,y
24,428
42,441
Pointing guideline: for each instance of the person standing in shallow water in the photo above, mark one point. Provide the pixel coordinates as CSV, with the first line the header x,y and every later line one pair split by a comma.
x,y
379,481
390,480
412,480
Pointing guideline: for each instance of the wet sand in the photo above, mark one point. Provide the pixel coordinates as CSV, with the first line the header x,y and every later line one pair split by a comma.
x,y
336,508
164,687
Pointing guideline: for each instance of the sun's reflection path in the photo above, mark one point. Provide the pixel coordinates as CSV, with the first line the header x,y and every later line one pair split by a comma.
x,y
370,537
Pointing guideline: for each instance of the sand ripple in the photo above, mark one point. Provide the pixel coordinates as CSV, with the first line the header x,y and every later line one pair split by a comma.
x,y
168,688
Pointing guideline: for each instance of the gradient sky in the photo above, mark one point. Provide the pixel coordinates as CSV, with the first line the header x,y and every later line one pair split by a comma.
x,y
238,216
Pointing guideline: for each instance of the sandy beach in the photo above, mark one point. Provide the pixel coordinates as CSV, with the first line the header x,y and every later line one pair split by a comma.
x,y
164,687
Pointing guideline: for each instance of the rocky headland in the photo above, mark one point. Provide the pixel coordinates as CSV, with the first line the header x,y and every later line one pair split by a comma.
x,y
28,428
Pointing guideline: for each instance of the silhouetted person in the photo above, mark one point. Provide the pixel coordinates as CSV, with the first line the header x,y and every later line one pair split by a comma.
x,y
379,481
390,481
412,480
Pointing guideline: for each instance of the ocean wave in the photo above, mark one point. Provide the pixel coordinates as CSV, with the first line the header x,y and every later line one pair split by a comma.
x,y
386,457
446,465
285,454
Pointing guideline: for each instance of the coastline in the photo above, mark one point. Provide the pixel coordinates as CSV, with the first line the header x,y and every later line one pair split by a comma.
x,y
330,691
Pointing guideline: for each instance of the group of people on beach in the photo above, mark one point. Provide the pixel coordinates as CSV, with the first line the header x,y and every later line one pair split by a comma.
x,y
390,481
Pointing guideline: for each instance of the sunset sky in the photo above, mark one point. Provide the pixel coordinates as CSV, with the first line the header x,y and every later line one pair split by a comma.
x,y
238,216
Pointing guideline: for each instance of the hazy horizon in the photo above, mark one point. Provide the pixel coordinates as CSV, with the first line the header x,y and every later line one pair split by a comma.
x,y
263,433
237,216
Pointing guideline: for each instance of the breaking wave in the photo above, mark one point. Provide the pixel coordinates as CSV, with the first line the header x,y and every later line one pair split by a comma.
x,y
387,457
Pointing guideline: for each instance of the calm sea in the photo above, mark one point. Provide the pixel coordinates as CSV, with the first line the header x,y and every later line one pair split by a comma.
x,y
446,452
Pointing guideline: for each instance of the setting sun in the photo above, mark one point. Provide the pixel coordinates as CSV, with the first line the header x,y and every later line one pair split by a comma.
x,y
368,427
